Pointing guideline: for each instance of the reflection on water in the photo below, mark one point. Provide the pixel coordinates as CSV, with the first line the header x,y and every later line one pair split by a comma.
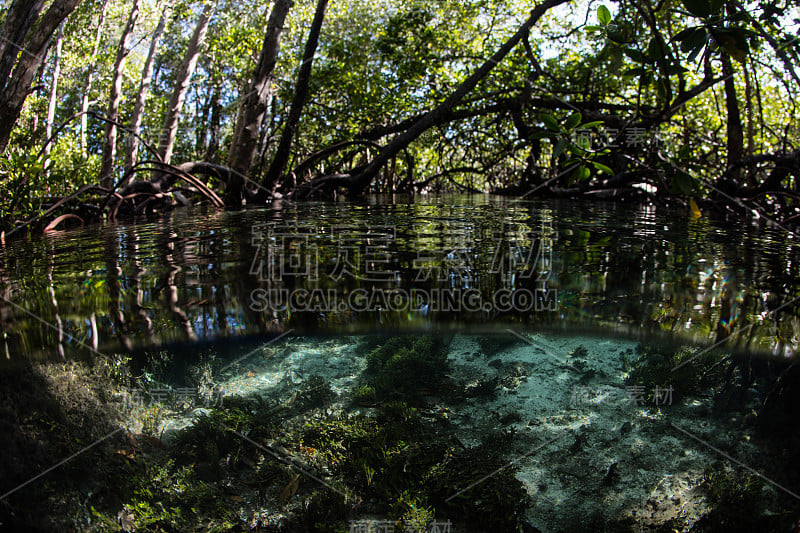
x,y
449,263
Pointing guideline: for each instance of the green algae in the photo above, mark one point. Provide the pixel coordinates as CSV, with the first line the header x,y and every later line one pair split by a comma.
x,y
684,372
737,502
407,367
364,396
392,456
314,392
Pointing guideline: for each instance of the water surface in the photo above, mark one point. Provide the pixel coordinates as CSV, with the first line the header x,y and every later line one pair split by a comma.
x,y
450,263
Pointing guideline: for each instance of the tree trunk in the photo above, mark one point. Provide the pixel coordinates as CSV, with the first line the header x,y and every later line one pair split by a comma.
x,y
202,114
750,178
735,145
51,104
170,128
16,88
253,106
298,100
132,144
87,86
361,180
213,128
110,142
265,137
19,19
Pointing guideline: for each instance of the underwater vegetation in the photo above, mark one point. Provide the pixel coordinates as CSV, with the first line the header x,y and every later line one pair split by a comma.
x,y
320,456
407,367
126,481
364,396
737,500
401,467
245,464
749,393
738,503
211,443
162,497
686,370
393,462
314,392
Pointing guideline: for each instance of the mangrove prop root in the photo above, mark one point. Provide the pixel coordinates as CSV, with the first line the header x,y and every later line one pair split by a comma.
x,y
53,226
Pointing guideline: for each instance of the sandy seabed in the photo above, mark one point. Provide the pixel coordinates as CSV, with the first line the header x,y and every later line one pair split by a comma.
x,y
589,447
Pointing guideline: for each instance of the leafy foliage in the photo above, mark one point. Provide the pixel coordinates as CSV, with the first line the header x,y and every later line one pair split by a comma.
x,y
539,113
405,367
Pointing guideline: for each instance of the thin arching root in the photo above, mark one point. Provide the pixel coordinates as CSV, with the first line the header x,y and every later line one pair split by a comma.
x,y
53,226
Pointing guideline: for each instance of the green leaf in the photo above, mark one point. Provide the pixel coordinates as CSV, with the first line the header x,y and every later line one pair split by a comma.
x,y
683,183
715,6
575,149
559,149
698,8
614,33
676,69
592,29
540,135
603,15
614,59
653,50
582,173
690,37
602,168
684,34
549,121
638,71
695,51
734,43
572,121
593,124
661,87
634,54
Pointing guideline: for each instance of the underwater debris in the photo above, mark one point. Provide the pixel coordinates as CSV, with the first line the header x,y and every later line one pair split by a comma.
x,y
579,351
484,389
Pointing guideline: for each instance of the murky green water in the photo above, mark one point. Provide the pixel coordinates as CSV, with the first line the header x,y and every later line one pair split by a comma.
x,y
447,364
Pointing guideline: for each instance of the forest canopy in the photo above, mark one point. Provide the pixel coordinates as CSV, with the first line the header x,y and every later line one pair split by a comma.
x,y
112,107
